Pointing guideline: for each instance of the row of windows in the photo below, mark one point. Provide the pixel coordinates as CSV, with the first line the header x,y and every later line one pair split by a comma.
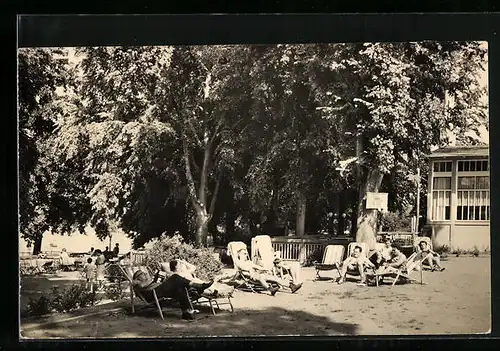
x,y
471,182
463,166
473,198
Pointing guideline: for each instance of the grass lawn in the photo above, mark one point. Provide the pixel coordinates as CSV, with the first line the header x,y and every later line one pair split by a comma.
x,y
456,301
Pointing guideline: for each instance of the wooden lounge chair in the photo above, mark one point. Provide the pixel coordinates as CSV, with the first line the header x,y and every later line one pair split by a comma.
x,y
241,280
350,249
412,264
332,259
140,292
416,248
264,255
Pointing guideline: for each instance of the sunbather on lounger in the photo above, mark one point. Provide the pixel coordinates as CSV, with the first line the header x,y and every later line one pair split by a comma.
x,y
260,274
378,257
356,261
292,267
187,270
173,287
432,259
396,262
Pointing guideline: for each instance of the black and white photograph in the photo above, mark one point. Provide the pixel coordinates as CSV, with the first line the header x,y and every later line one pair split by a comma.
x,y
318,189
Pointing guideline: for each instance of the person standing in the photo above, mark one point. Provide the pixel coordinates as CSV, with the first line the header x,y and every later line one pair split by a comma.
x,y
116,250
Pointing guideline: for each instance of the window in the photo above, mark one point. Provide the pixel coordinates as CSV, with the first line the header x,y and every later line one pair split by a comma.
x,y
442,166
473,166
473,198
441,198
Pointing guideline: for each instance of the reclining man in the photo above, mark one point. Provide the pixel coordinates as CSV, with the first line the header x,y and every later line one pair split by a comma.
x,y
396,262
187,270
430,256
378,257
291,267
173,287
260,274
358,262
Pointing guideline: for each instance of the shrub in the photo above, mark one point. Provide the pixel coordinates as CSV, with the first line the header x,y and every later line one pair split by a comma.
x,y
167,248
475,251
37,306
114,292
457,252
76,296
393,222
442,249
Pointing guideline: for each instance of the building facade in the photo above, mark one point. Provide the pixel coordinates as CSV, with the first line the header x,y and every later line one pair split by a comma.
x,y
458,199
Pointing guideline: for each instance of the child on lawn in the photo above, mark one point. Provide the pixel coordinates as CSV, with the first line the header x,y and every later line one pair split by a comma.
x,y
90,274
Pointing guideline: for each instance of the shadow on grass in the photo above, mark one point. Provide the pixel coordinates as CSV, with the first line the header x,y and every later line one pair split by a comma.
x,y
146,323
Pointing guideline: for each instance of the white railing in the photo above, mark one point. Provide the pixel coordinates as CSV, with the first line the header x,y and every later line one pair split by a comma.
x,y
305,249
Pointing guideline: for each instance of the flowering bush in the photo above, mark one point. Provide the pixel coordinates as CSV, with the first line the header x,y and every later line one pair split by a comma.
x,y
167,248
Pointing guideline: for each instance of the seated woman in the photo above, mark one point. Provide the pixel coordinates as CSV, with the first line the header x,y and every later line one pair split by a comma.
x,y
260,274
431,258
173,287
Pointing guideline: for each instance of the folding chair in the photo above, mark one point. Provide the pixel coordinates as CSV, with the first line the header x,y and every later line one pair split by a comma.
x,y
332,259
416,248
350,250
203,299
264,255
413,263
139,292
241,280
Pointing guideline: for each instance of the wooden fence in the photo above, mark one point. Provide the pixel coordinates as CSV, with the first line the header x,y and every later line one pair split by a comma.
x,y
305,249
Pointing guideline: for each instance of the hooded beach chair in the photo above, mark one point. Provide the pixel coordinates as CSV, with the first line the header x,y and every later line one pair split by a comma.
x,y
332,259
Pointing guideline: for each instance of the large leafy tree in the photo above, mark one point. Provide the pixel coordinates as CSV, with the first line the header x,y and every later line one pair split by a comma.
x,y
40,73
155,126
406,96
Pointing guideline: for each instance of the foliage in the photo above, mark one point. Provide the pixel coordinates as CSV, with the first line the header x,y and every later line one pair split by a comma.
x,y
191,138
37,306
71,298
114,292
165,249
442,249
394,221
475,251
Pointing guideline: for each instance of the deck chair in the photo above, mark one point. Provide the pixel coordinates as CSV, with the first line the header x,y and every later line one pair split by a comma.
x,y
332,259
241,280
416,248
264,255
350,249
128,274
413,263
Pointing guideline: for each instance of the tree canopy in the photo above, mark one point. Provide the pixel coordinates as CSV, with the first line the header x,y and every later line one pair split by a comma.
x,y
188,138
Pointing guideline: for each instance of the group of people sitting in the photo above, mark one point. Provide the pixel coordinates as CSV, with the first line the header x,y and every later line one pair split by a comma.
x,y
263,276
386,260
180,281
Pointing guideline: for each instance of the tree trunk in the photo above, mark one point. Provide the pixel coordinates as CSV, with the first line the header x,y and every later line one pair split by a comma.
x,y
366,228
201,227
301,213
37,244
